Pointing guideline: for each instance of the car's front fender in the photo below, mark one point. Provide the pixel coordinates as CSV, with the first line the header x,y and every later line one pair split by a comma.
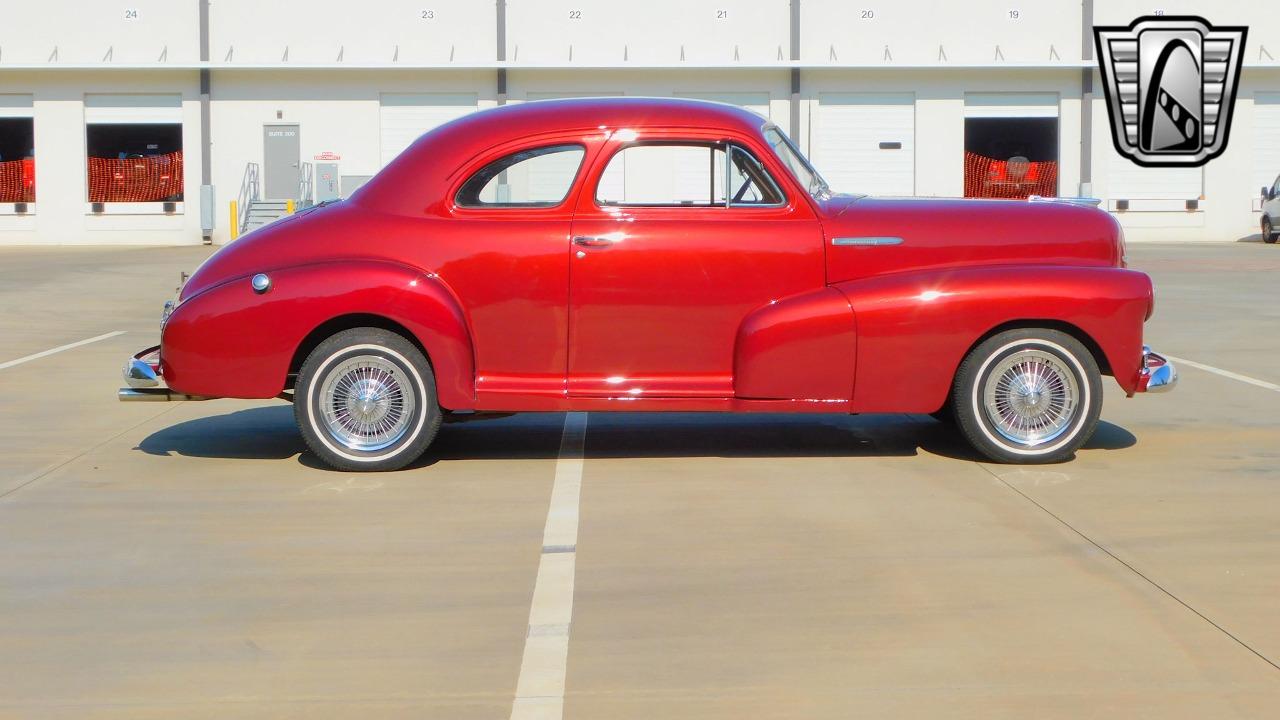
x,y
230,341
915,328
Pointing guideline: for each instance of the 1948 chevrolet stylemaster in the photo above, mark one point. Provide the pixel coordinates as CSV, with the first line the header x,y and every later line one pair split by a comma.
x,y
650,255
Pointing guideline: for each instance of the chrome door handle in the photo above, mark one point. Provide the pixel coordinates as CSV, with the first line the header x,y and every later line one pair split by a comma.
x,y
588,241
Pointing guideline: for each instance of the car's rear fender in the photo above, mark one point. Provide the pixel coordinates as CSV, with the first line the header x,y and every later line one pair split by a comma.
x,y
232,342
915,328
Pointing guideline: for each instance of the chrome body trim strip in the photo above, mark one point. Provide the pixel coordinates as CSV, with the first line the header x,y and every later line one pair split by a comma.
x,y
866,241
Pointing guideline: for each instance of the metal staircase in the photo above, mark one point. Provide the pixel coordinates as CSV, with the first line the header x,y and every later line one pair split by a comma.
x,y
252,211
261,212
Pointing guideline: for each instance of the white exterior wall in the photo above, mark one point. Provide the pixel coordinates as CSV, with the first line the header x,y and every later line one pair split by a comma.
x,y
95,32
939,117
325,66
421,32
967,32
337,112
542,32
62,214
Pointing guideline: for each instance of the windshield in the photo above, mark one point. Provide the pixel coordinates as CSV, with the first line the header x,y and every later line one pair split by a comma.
x,y
804,173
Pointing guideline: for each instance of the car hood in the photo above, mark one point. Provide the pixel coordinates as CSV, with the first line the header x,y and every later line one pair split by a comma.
x,y
869,236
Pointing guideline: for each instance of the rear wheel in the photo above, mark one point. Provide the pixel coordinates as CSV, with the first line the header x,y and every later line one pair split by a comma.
x,y
1268,232
1028,396
365,400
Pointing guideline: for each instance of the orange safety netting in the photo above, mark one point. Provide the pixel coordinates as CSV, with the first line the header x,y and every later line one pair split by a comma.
x,y
143,179
18,181
986,177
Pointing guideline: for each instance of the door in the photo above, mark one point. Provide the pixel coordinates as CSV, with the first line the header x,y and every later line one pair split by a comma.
x,y
503,256
281,154
865,143
405,117
664,268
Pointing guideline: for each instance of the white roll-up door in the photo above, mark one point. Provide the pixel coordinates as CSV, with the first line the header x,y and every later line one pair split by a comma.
x,y
406,116
16,106
543,183
133,109
1266,139
756,102
1126,180
1129,181
865,143
1011,105
694,171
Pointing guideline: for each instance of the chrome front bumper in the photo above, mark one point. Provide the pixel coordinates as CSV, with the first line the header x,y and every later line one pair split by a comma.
x,y
1158,374
142,375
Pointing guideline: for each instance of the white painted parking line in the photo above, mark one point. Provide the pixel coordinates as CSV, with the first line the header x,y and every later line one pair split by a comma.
x,y
60,348
1226,373
540,687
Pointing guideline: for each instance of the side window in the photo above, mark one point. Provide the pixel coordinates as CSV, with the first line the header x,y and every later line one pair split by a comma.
x,y
540,177
1275,189
749,183
685,175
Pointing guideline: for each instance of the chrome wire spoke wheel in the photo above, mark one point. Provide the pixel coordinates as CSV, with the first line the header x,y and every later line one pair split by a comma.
x,y
366,403
1031,397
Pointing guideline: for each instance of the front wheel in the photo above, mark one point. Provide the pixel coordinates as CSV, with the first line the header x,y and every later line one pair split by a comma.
x,y
1028,396
1268,232
365,400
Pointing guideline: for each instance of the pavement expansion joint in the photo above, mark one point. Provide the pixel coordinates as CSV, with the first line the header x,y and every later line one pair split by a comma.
x,y
1133,569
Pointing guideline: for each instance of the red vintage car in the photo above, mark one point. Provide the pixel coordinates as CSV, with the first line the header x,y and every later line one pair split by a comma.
x,y
627,254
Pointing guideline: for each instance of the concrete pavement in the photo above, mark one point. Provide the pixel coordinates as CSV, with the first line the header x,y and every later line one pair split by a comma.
x,y
188,560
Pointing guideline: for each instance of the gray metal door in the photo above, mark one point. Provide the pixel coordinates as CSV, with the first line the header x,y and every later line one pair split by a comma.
x,y
281,152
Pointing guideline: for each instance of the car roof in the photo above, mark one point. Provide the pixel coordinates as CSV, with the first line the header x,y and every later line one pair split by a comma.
x,y
618,112
423,168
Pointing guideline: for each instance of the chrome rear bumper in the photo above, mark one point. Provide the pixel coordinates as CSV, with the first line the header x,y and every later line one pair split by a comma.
x,y
142,375
1158,374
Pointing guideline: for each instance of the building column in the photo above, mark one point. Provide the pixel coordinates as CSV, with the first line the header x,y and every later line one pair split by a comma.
x,y
1086,101
795,72
206,135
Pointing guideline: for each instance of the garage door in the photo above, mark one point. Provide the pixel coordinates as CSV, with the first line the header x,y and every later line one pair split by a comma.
x,y
756,102
865,143
693,166
1266,139
133,109
1127,181
1011,105
544,179
405,117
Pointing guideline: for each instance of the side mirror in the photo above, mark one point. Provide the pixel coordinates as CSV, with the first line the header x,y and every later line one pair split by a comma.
x,y
1266,193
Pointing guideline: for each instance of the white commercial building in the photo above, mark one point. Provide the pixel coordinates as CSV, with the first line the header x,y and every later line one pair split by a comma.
x,y
141,121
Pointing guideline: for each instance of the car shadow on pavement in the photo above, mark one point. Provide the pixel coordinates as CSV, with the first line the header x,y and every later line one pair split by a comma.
x,y
261,433
269,433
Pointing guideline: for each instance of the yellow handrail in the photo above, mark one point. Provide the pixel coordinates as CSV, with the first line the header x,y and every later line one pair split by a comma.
x,y
288,206
235,220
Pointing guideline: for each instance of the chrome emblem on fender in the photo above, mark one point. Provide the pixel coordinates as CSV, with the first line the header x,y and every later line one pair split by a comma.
x,y
1170,84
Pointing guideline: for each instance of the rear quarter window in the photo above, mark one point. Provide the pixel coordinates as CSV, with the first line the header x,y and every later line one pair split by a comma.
x,y
532,178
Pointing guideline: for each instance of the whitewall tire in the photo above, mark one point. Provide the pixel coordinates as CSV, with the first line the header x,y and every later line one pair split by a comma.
x,y
1028,396
365,400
